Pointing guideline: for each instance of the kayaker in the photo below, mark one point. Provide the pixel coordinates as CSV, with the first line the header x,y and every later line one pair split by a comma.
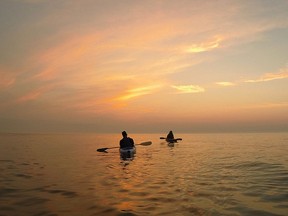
x,y
170,136
126,141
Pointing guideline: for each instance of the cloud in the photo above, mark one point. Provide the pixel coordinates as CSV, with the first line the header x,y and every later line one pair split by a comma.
x,y
65,57
189,88
34,94
267,105
6,79
203,47
225,84
283,74
137,92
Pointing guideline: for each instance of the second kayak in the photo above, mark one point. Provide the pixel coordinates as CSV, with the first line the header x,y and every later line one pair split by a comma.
x,y
172,140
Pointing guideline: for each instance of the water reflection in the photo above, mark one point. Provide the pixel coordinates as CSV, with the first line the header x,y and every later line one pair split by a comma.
x,y
127,154
171,144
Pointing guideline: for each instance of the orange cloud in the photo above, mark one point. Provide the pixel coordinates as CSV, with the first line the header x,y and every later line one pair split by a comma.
x,y
102,52
136,92
34,94
189,88
30,96
62,57
6,79
92,105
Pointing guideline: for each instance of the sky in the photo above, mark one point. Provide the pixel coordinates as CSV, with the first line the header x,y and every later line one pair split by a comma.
x,y
143,66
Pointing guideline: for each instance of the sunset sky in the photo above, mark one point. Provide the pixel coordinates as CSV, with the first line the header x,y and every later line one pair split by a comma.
x,y
143,66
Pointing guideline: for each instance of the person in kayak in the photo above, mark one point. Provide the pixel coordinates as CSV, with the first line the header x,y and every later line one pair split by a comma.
x,y
170,136
126,142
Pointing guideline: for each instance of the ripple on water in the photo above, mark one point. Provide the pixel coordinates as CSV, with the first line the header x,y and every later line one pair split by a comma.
x,y
31,201
7,191
25,176
280,197
66,193
243,210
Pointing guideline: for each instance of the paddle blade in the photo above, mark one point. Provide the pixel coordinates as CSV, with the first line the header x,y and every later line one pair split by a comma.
x,y
145,143
102,149
162,138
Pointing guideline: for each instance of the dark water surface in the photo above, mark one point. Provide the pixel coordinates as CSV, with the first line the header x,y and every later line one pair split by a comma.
x,y
205,174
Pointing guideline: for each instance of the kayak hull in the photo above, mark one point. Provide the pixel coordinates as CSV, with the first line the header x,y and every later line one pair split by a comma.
x,y
127,152
171,140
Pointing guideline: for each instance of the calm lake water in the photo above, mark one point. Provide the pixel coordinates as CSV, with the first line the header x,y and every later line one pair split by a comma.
x,y
204,174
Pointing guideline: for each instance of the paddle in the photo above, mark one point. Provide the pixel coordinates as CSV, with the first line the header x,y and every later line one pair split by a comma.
x,y
143,144
171,139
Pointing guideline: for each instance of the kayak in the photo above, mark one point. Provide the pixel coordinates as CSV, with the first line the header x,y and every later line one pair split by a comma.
x,y
127,152
172,140
169,140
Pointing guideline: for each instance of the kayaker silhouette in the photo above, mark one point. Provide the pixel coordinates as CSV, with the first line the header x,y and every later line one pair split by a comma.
x,y
126,141
170,136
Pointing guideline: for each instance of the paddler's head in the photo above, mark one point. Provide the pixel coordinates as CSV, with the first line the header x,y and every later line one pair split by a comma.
x,y
124,134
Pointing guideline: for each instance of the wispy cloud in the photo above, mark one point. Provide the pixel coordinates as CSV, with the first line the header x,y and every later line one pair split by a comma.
x,y
188,88
137,92
66,57
34,94
267,105
283,74
203,47
6,79
225,84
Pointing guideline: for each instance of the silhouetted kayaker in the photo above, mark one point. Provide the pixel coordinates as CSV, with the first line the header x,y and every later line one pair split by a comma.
x,y
126,141
170,135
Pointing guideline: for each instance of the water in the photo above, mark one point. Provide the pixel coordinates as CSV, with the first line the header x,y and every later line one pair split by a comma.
x,y
204,174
